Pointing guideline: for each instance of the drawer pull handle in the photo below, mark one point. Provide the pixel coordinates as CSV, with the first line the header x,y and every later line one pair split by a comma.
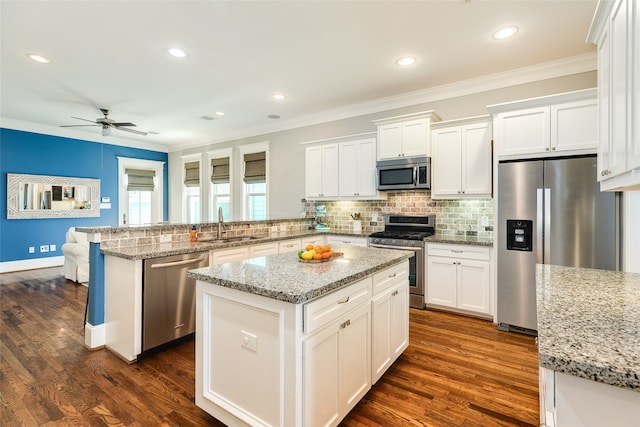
x,y
342,301
394,293
393,275
345,324
455,251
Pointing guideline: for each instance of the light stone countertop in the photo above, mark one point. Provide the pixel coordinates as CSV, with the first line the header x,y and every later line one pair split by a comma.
x,y
157,250
283,277
589,323
459,240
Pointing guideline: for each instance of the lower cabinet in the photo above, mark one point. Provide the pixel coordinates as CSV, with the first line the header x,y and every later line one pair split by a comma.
x,y
336,373
347,240
224,256
459,277
390,328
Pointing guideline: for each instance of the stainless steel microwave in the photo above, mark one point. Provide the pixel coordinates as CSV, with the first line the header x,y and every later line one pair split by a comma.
x,y
404,173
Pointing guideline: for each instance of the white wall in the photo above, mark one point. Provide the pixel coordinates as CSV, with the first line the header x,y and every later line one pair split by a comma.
x,y
631,231
287,155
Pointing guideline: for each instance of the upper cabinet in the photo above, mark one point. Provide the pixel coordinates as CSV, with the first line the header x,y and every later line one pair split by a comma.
x,y
405,136
461,158
342,170
321,171
616,31
563,124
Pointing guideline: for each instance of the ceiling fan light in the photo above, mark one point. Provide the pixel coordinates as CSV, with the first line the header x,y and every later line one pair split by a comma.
x,y
106,131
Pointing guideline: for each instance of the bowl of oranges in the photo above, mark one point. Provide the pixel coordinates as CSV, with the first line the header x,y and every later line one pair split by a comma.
x,y
317,253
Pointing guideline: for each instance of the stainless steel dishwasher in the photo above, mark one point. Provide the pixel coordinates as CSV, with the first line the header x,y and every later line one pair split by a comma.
x,y
169,298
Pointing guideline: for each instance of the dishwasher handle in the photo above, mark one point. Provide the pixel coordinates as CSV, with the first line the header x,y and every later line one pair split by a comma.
x,y
177,263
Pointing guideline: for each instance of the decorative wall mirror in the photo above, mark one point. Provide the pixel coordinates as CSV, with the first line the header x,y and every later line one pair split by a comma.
x,y
43,196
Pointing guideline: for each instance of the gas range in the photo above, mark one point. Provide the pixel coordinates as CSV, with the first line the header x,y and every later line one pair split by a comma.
x,y
402,230
408,233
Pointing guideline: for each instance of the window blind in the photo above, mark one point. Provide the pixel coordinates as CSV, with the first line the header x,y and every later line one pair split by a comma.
x,y
140,179
192,174
220,170
255,167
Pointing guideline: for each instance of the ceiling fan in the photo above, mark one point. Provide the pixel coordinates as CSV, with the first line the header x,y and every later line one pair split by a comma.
x,y
106,123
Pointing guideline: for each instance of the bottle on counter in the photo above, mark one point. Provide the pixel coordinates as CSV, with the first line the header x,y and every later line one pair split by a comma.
x,y
193,234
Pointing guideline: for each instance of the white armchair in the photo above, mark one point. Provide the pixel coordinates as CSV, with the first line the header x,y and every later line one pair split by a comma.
x,y
76,256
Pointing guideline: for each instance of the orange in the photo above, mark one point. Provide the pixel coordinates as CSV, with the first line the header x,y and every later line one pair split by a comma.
x,y
326,248
309,247
317,256
318,249
330,252
326,255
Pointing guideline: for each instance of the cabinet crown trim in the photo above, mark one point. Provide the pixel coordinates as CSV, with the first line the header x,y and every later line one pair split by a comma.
x,y
543,100
459,122
420,115
345,138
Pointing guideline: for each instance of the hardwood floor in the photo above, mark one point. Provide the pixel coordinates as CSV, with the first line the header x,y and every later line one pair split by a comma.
x,y
457,371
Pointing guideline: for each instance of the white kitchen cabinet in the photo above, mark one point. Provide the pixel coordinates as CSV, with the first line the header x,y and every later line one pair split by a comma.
x,y
459,277
389,318
321,171
223,256
563,124
616,31
405,136
315,241
461,159
336,368
347,240
357,168
263,249
292,245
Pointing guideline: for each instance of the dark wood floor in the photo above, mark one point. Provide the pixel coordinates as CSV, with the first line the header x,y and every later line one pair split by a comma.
x,y
457,371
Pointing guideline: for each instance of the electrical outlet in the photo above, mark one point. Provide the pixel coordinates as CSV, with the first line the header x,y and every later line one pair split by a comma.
x,y
374,217
32,250
52,248
485,221
44,248
249,340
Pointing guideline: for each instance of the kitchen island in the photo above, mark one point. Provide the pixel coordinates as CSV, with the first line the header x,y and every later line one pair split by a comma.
x,y
589,346
289,343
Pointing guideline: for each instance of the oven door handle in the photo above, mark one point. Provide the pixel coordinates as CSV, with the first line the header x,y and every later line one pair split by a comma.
x,y
402,248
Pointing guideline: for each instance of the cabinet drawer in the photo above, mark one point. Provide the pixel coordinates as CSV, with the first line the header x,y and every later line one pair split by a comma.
x,y
230,255
328,308
459,251
289,246
390,277
263,249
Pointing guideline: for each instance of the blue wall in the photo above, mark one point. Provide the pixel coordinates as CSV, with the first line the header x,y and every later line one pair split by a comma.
x,y
37,154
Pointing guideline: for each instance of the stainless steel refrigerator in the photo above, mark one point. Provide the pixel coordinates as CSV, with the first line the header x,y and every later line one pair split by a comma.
x,y
549,212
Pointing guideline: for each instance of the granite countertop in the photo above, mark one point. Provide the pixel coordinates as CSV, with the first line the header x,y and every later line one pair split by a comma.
x,y
156,250
589,323
459,239
285,278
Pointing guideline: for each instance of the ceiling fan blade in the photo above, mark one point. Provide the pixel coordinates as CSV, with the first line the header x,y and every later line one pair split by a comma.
x,y
123,124
137,132
80,118
75,126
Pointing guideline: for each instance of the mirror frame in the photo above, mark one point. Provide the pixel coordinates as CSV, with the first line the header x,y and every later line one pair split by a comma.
x,y
13,197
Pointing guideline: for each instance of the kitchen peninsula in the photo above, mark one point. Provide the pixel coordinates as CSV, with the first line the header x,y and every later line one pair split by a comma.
x,y
589,346
288,343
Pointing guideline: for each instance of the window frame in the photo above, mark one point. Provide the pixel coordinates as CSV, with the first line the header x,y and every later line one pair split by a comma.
x,y
185,197
213,210
248,149
157,197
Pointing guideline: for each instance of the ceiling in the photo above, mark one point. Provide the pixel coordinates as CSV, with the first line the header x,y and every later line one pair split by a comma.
x,y
327,57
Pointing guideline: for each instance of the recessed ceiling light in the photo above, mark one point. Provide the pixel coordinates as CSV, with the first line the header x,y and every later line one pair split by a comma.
x,y
505,33
278,96
207,118
178,53
405,61
219,113
38,58
273,116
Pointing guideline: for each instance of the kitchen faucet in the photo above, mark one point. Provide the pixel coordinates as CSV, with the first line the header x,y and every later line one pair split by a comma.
x,y
220,220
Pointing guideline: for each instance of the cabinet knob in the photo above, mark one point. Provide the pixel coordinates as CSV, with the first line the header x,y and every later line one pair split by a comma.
x,y
547,149
394,293
553,149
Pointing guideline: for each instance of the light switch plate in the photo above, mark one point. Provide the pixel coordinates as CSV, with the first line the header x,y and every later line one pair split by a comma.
x,y
249,340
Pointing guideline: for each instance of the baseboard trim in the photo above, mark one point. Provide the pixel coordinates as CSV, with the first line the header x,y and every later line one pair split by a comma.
x,y
31,264
94,336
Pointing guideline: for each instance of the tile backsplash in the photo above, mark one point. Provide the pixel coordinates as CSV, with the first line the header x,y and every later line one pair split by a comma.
x,y
471,217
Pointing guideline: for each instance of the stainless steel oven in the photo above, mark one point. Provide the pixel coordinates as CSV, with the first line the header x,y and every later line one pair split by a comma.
x,y
407,233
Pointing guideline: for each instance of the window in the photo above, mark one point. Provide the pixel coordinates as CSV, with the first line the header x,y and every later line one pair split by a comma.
x,y
192,191
255,185
220,186
140,191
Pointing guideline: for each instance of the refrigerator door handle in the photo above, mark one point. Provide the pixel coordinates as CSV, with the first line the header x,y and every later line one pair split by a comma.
x,y
539,225
547,226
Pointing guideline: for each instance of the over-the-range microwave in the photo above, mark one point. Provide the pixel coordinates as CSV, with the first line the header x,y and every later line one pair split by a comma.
x,y
404,173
